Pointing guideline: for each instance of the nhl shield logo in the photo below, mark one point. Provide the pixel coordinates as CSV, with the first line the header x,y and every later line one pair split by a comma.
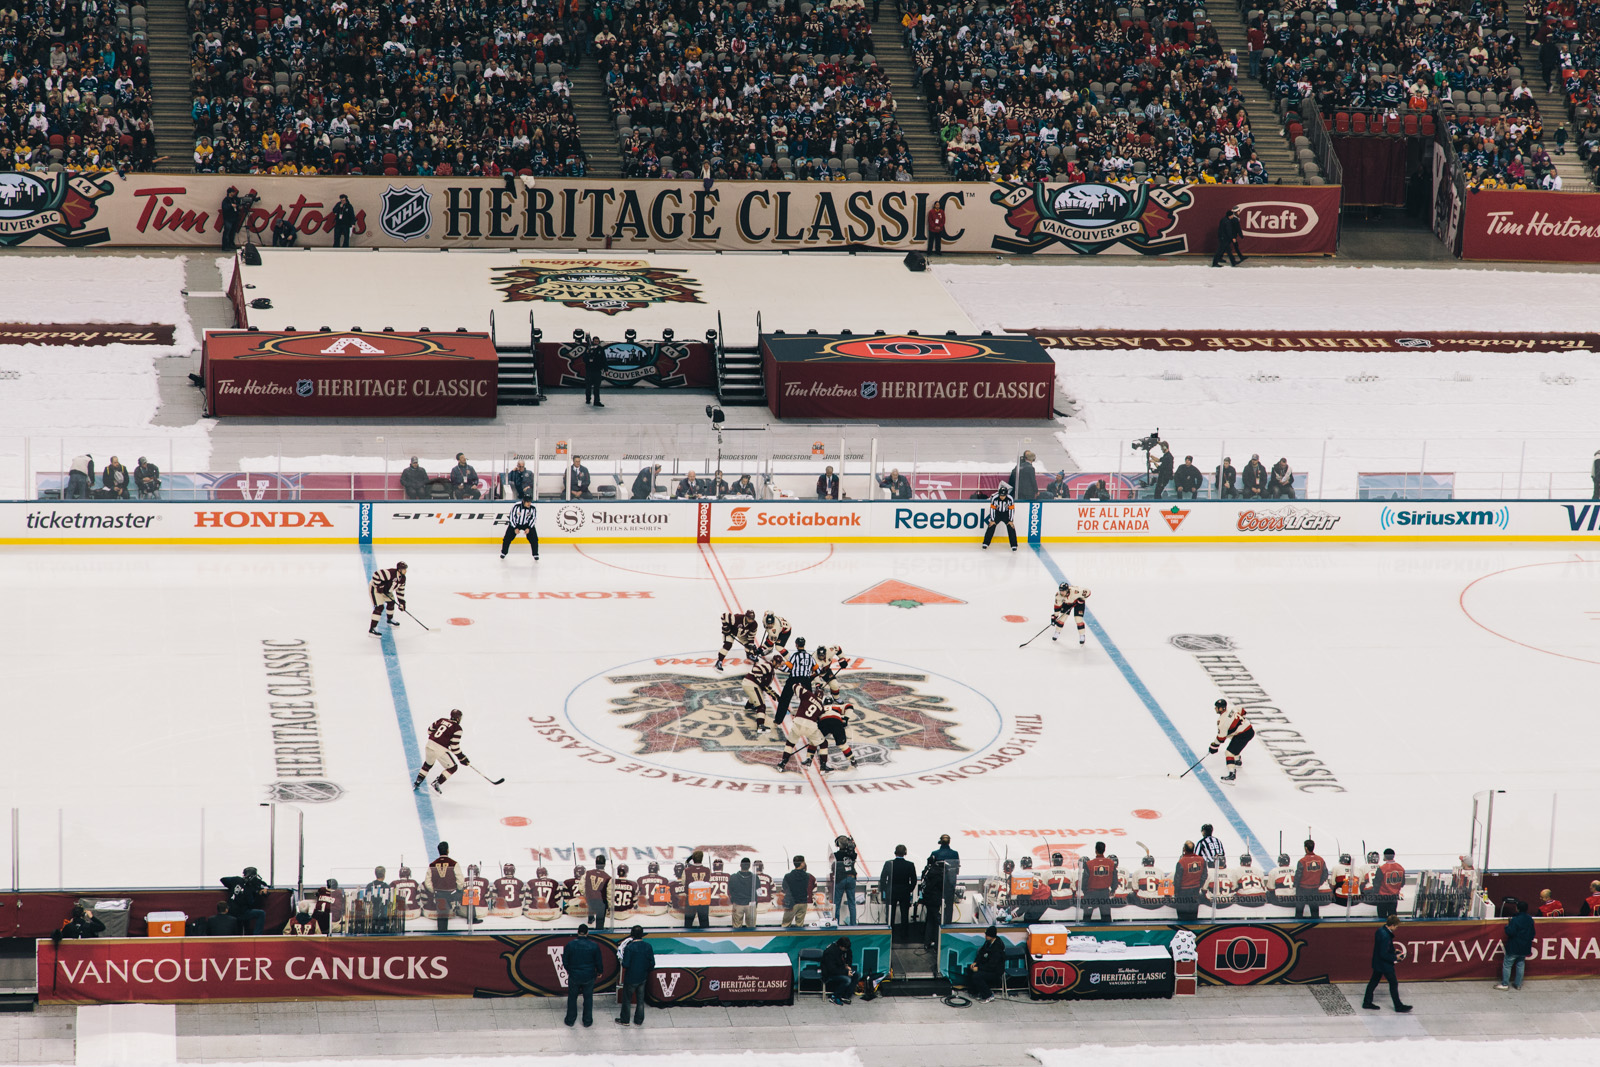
x,y
869,390
305,387
405,215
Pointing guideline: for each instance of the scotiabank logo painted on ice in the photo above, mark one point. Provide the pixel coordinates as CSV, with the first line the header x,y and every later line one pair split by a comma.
x,y
1286,520
238,520
1277,218
741,519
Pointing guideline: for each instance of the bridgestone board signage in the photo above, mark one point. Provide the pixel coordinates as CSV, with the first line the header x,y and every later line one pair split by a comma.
x,y
410,212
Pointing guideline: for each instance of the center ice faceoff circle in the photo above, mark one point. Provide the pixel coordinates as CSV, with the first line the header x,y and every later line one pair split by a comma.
x,y
676,713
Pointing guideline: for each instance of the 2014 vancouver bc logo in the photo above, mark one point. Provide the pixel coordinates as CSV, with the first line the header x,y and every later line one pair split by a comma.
x,y
55,207
1090,217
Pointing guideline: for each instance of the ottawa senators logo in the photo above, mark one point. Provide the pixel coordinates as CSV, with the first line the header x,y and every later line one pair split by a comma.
x,y
609,286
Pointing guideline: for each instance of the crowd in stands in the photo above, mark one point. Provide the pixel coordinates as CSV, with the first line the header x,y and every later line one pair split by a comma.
x,y
770,89
1073,90
413,87
74,87
1569,32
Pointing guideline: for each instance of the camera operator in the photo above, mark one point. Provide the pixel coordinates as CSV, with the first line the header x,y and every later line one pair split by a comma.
x,y
147,479
247,899
1160,469
232,214
844,880
81,923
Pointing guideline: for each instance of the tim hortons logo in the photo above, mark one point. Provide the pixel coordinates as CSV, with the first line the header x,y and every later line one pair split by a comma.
x,y
670,712
609,286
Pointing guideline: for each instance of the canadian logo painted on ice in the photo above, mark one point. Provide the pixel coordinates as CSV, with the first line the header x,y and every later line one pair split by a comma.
x,y
1277,218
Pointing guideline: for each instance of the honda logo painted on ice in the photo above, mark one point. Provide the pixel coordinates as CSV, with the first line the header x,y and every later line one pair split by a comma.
x,y
1277,218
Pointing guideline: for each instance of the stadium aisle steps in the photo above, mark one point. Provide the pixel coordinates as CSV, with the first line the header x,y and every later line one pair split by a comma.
x,y
169,84
596,129
911,106
1272,142
1553,113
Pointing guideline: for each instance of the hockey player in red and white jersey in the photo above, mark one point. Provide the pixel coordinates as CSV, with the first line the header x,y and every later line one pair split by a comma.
x,y
757,684
387,589
655,894
543,900
1219,887
508,892
407,895
1061,883
777,632
1249,888
1280,883
1345,878
1150,887
1235,732
624,894
831,660
742,628
443,748
831,722
1069,601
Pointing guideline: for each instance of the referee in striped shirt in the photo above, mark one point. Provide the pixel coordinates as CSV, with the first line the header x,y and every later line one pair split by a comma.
x,y
1210,848
520,520
802,669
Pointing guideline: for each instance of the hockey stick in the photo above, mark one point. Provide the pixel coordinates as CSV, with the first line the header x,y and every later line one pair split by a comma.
x,y
1192,766
418,621
1036,636
485,777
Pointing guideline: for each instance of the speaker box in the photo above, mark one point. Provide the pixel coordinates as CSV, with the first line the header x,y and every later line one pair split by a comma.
x,y
916,261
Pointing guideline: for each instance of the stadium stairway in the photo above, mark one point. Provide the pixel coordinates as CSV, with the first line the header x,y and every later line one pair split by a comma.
x,y
1553,113
911,105
596,129
1272,141
169,85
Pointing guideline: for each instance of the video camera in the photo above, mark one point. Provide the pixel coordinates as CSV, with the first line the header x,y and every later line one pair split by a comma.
x,y
1145,444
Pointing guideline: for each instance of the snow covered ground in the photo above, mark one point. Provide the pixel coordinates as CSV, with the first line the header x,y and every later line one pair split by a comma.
x,y
1424,1052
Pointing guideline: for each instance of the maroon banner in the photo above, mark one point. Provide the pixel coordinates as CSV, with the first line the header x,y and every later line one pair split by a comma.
x,y
678,980
877,376
357,373
1429,951
1278,220
84,333
1312,340
1537,227
184,970
40,914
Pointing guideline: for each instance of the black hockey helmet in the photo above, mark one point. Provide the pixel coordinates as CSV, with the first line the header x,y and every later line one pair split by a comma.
x,y
653,868
677,870
799,642
1064,586
1147,861
1009,865
769,618
1027,863
1221,702
1244,859
1283,859
577,335
1055,859
1344,858
1372,857
1004,489
622,870
599,860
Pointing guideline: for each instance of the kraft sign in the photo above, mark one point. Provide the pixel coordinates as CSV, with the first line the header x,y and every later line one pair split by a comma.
x,y
1278,219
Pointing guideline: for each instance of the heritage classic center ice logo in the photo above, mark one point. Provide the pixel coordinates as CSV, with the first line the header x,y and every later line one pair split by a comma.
x,y
673,716
1089,217
609,286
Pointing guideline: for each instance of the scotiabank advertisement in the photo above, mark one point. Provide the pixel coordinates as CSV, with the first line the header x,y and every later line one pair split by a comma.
x,y
106,522
1528,226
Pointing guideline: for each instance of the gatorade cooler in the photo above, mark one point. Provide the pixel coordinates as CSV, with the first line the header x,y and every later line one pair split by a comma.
x,y
699,894
1047,939
165,923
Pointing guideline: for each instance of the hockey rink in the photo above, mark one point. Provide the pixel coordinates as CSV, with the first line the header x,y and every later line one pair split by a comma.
x,y
184,690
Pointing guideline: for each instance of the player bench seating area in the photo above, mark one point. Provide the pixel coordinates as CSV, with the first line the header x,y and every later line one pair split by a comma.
x,y
1081,90
74,88
758,89
387,89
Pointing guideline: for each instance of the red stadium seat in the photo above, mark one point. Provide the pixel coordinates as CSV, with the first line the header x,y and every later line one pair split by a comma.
x,y
1341,122
1410,124
1296,130
1394,125
1358,122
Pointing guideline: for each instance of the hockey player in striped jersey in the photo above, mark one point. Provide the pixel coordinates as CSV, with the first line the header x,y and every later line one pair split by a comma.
x,y
543,900
388,590
444,748
757,684
1233,731
739,627
1069,601
508,892
803,727
831,721
520,519
407,895
655,893
1002,509
831,661
624,893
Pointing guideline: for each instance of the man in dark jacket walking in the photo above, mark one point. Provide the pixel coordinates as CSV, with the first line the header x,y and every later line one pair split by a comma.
x,y
896,886
1228,233
1188,478
581,958
638,962
1549,61
1024,481
1383,957
1519,946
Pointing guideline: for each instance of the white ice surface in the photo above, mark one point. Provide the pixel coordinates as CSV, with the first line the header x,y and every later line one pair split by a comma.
x,y
1421,1052
1391,667
1505,423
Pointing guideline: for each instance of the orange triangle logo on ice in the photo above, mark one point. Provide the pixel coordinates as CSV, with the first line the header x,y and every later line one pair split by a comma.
x,y
901,595
1175,517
